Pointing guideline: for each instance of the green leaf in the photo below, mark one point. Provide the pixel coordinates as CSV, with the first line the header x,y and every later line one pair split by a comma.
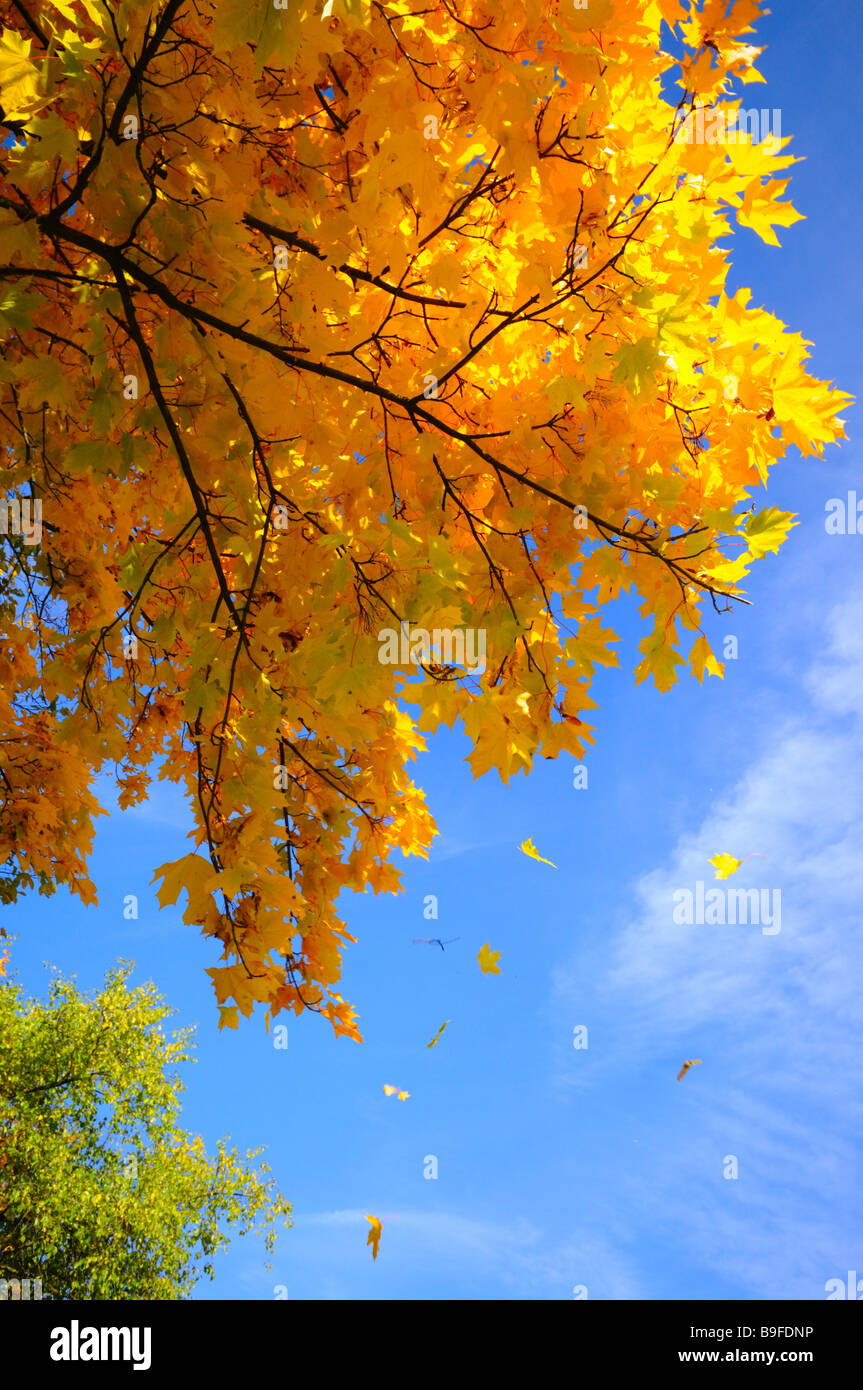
x,y
766,530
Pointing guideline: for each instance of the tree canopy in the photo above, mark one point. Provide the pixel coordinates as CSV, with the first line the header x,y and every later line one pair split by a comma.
x,y
325,322
102,1194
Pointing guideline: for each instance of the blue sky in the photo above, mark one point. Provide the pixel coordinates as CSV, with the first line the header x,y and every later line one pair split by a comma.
x,y
561,1167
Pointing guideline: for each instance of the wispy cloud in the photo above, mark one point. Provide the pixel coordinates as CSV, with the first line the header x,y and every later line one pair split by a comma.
x,y
519,1253
777,1019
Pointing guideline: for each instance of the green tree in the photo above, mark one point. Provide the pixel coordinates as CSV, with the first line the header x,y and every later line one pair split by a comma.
x,y
102,1194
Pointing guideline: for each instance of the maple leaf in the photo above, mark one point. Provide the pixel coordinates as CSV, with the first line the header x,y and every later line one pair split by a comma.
x,y
19,77
695,1062
762,211
766,530
436,1039
637,364
529,848
725,865
374,1236
488,960
660,660
702,660
189,873
394,1091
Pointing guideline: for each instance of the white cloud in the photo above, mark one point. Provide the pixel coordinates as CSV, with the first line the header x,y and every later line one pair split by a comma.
x,y
776,1019
516,1253
838,684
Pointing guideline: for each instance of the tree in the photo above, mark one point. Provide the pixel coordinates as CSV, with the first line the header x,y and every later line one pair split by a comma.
x,y
358,356
102,1194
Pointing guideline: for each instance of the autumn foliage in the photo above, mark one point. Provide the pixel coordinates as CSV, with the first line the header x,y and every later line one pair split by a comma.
x,y
323,319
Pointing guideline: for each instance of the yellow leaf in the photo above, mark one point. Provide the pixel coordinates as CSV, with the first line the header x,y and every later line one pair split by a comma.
x,y
566,390
725,865
762,212
529,848
766,530
660,659
191,872
488,961
394,1091
374,1237
437,1035
637,364
18,77
694,1062
228,1016
701,659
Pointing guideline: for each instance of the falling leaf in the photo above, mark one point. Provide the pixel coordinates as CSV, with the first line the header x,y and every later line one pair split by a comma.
x,y
694,1062
394,1091
374,1238
529,848
437,1035
404,1095
488,960
725,865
